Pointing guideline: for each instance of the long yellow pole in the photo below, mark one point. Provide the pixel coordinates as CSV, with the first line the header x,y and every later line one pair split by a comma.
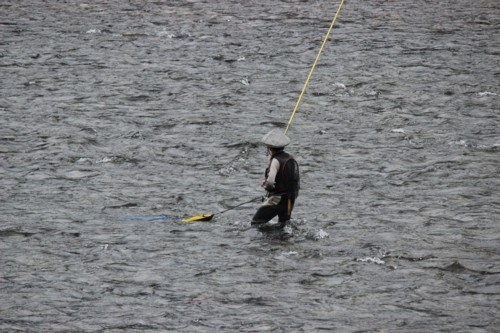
x,y
313,67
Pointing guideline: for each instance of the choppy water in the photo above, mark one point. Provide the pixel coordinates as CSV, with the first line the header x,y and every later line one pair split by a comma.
x,y
113,109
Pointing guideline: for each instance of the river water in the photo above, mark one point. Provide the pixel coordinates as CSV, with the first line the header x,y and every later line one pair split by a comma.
x,y
117,112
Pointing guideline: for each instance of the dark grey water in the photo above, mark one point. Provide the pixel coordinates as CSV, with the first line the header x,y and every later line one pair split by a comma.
x,y
112,109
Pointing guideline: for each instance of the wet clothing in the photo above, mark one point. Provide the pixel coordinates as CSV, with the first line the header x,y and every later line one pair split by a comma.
x,y
282,185
281,205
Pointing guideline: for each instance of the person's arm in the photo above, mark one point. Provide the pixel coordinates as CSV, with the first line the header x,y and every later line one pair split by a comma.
x,y
271,177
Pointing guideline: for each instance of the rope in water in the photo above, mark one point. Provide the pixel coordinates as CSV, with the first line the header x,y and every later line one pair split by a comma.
x,y
313,67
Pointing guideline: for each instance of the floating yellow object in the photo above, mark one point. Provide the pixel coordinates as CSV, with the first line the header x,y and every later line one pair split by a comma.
x,y
204,217
208,217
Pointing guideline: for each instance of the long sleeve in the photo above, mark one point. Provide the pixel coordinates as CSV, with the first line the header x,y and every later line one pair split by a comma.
x,y
271,177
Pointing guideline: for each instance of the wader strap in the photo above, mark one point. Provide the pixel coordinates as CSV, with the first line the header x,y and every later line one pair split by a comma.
x,y
284,164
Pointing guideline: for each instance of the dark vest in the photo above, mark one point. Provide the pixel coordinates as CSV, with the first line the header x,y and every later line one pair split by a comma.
x,y
281,183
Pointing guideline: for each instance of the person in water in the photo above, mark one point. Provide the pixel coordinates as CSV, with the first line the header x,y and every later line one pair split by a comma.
x,y
282,182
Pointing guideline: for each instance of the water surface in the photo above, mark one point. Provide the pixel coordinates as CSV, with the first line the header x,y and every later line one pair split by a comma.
x,y
115,109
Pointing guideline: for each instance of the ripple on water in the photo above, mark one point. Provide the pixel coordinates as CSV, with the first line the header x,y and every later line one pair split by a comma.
x,y
153,109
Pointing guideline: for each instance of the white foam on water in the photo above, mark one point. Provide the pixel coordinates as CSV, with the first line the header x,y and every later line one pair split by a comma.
x,y
321,234
84,160
458,143
486,93
398,130
288,230
226,171
374,260
338,85
106,160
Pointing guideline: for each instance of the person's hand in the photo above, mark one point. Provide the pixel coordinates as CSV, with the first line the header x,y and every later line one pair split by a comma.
x,y
263,183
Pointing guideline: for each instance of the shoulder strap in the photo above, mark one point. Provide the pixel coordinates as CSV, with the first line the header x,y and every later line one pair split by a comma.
x,y
284,164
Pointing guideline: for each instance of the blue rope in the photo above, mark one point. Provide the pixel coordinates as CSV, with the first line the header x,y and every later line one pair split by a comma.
x,y
145,218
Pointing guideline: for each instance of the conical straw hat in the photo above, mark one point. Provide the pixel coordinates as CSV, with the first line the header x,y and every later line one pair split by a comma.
x,y
276,139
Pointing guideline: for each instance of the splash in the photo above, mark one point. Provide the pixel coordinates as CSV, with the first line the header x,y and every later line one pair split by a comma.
x,y
486,93
374,260
321,234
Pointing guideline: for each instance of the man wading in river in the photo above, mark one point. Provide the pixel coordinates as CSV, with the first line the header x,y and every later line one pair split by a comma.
x,y
282,182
